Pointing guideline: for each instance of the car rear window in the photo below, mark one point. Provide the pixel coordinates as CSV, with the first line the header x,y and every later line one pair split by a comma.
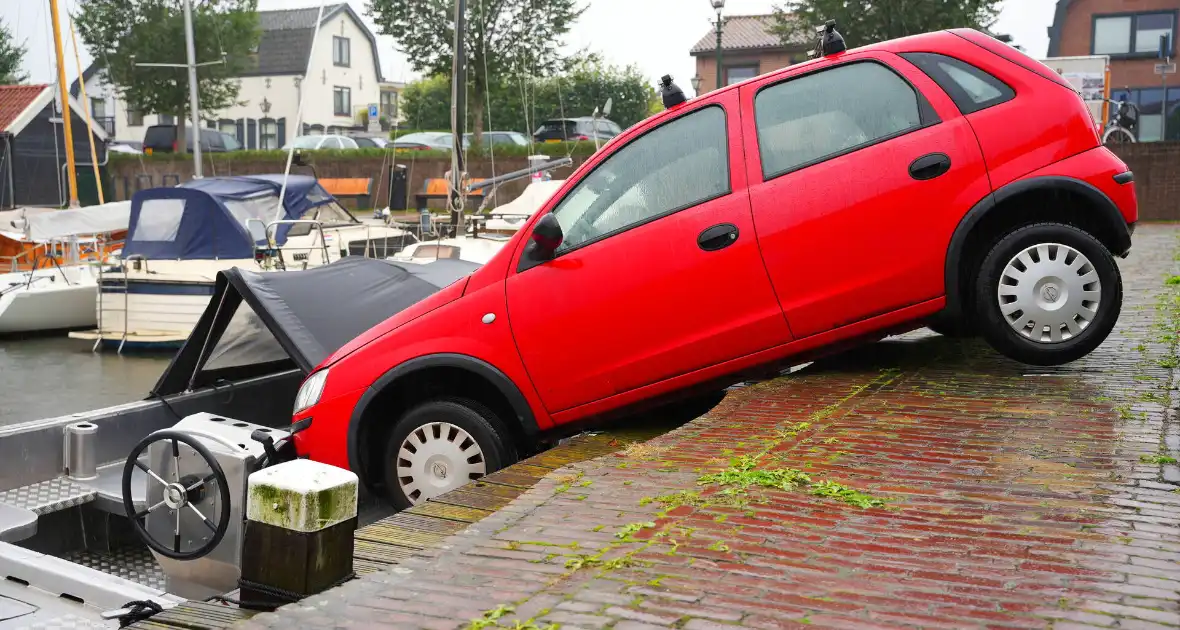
x,y
969,87
158,137
557,126
1011,54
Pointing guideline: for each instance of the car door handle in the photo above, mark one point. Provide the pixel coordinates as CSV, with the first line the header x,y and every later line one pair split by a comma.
x,y
930,166
718,237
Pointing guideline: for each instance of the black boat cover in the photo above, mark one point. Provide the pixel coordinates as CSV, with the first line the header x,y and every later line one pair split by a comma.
x,y
296,319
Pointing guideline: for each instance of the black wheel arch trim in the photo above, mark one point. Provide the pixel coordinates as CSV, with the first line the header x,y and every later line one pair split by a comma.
x,y
1120,231
520,406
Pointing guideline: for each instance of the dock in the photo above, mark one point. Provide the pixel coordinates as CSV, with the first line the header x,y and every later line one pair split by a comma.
x,y
920,482
389,541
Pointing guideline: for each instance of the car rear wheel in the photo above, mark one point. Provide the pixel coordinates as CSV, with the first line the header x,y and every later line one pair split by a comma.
x,y
1048,294
440,445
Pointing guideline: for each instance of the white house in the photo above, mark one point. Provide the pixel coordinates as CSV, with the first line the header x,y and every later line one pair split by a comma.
x,y
345,78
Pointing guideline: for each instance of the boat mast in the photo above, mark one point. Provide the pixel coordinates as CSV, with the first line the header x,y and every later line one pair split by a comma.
x,y
194,103
65,104
457,200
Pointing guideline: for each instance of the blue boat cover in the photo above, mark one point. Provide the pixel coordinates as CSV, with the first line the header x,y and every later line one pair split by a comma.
x,y
208,218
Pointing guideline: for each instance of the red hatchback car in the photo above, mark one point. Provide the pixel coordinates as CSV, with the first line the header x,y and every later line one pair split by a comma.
x,y
943,180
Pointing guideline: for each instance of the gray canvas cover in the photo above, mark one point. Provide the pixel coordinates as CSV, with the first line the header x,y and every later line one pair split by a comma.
x,y
263,322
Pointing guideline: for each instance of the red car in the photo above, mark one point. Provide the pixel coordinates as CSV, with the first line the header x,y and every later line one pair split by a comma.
x,y
942,180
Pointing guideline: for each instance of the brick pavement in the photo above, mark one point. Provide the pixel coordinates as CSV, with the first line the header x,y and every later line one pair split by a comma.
x,y
919,482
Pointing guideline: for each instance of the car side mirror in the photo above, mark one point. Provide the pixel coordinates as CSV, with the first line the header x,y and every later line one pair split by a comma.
x,y
547,237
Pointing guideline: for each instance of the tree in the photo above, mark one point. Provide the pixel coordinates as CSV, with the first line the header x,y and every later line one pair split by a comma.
x,y
121,33
520,103
867,21
11,54
503,38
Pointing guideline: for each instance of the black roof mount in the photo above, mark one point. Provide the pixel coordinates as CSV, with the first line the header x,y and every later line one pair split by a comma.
x,y
830,40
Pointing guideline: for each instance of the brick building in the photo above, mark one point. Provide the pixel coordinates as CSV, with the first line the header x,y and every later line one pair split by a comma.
x,y
1128,31
748,49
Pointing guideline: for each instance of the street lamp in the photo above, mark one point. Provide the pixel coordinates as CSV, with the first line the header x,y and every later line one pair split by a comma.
x,y
264,106
718,5
696,84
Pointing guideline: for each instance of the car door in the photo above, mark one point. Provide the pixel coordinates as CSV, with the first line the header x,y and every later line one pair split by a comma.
x,y
860,171
658,273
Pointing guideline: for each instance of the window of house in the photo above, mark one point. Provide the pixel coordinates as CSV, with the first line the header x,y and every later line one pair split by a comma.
x,y
134,118
228,126
1151,111
268,134
342,101
98,108
818,116
676,166
1136,34
167,119
737,74
340,51
389,104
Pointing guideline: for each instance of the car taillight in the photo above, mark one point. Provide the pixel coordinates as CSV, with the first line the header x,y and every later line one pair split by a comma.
x,y
582,137
174,146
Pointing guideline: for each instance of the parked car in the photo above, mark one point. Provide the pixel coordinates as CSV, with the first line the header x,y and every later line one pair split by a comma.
x,y
575,129
322,141
834,202
162,139
371,142
498,138
425,140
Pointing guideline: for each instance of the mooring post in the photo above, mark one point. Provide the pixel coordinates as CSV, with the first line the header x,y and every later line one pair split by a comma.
x,y
300,519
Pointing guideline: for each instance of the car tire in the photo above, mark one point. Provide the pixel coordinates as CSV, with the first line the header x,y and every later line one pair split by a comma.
x,y
1047,294
440,445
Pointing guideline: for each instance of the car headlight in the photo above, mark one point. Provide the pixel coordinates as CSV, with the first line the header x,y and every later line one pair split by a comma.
x,y
310,391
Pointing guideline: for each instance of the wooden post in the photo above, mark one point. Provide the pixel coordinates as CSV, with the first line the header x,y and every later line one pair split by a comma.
x,y
300,519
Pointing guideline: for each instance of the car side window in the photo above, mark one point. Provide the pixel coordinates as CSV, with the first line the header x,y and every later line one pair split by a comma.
x,y
676,166
819,116
971,88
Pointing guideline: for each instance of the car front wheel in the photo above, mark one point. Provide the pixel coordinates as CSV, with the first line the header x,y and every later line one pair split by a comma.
x,y
440,445
1048,294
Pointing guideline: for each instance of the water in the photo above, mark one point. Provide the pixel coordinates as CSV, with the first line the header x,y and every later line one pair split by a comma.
x,y
55,376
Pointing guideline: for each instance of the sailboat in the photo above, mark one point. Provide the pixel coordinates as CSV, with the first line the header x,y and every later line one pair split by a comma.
x,y
58,290
54,254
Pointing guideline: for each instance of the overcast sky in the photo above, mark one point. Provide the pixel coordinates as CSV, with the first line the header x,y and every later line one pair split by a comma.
x,y
652,34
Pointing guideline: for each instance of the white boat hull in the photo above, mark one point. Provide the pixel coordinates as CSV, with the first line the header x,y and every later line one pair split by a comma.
x,y
55,300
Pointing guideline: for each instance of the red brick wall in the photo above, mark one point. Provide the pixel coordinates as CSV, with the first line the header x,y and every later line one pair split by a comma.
x,y
1077,31
1157,178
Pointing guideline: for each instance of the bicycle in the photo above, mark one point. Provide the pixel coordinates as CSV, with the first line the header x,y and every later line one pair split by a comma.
x,y
1123,123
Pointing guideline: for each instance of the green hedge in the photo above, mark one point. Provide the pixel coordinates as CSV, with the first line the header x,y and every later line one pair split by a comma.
x,y
553,150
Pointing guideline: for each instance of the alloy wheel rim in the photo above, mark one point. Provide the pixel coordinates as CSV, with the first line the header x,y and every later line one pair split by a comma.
x,y
1049,293
436,458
